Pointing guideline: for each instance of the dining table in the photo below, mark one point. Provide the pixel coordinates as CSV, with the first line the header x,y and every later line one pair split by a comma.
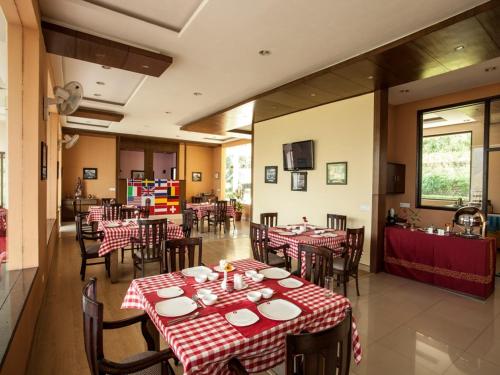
x,y
294,235
118,234
205,340
204,209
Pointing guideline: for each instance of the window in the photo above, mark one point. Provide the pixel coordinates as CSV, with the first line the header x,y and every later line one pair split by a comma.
x,y
451,157
238,173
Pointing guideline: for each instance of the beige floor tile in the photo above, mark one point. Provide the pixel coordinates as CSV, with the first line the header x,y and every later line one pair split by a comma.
x,y
467,364
424,350
487,345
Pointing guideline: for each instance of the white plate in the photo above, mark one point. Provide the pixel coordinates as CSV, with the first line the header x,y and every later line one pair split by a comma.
x,y
196,271
113,225
176,307
275,273
242,318
287,233
279,309
291,283
170,292
330,235
316,236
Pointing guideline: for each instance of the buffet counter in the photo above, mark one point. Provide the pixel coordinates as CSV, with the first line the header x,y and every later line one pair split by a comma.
x,y
452,262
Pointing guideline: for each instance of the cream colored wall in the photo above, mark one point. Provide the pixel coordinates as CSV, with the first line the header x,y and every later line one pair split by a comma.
x,y
199,159
402,146
217,168
342,131
91,151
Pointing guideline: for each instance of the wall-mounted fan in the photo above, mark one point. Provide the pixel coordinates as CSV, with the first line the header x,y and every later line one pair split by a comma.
x,y
66,99
69,140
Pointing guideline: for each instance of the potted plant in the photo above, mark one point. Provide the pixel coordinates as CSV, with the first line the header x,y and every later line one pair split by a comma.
x,y
238,210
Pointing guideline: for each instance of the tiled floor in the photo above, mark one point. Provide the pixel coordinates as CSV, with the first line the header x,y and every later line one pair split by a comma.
x,y
406,327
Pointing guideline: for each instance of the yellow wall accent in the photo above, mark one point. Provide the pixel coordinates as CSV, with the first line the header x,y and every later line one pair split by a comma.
x,y
199,159
342,131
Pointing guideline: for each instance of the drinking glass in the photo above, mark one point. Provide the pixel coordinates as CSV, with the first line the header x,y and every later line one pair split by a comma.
x,y
329,283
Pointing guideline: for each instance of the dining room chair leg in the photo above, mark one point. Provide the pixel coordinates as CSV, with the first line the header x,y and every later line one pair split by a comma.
x,y
357,284
135,267
143,268
82,269
346,279
123,253
108,264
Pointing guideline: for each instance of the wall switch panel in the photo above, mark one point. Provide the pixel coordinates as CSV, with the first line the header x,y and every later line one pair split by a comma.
x,y
404,205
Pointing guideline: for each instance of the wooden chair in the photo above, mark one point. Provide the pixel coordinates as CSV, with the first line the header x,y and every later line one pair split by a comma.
x,y
348,265
269,219
127,213
188,217
232,202
318,263
326,352
217,217
265,253
146,209
151,362
196,199
176,251
77,210
112,211
149,245
89,252
337,222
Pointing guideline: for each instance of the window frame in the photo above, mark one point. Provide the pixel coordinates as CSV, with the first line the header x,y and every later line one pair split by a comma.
x,y
486,101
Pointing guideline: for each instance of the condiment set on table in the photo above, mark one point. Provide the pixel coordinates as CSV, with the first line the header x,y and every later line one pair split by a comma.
x,y
179,306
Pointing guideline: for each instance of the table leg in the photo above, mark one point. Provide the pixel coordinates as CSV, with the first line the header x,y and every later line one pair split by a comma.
x,y
153,331
227,225
114,266
202,226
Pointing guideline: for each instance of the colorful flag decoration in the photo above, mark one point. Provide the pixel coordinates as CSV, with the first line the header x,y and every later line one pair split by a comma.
x,y
162,193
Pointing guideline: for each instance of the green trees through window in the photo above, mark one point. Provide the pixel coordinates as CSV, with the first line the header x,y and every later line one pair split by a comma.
x,y
446,166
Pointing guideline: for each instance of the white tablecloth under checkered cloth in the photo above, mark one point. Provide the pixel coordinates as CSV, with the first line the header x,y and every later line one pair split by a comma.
x,y
202,209
204,345
116,238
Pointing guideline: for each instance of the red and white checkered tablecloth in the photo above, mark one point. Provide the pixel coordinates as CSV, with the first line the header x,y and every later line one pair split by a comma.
x,y
118,237
202,209
95,214
204,345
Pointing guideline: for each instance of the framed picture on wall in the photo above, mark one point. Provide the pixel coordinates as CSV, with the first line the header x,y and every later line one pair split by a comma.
x,y
43,161
336,173
90,173
137,175
271,174
299,181
196,176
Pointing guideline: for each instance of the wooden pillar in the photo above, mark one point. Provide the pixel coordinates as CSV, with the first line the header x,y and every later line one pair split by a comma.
x,y
380,130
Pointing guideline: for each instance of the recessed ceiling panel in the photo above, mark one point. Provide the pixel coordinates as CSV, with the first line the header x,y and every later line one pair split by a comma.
x,y
109,85
170,14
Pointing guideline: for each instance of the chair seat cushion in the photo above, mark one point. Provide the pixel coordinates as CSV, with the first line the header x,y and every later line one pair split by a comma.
x,y
153,370
92,249
275,260
338,264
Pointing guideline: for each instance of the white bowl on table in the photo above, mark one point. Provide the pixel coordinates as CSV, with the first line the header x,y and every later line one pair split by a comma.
x,y
202,292
250,273
254,296
201,278
213,276
267,292
209,299
258,277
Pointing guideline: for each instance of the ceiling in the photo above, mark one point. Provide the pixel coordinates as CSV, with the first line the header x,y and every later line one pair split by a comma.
x,y
215,44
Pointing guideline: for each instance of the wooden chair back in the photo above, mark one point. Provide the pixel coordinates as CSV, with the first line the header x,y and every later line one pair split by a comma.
x,y
152,237
187,222
269,219
146,209
337,222
112,211
355,238
128,212
258,241
81,235
196,199
176,251
92,326
232,202
77,206
220,211
318,263
325,352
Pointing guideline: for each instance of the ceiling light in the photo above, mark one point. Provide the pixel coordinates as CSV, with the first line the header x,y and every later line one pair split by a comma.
x,y
97,94
145,66
313,94
404,91
100,83
264,52
196,93
168,112
369,77
459,48
490,69
105,67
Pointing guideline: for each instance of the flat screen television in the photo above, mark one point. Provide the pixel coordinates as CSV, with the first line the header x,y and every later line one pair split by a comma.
x,y
298,156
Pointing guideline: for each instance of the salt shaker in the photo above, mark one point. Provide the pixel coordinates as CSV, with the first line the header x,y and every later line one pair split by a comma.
x,y
238,281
